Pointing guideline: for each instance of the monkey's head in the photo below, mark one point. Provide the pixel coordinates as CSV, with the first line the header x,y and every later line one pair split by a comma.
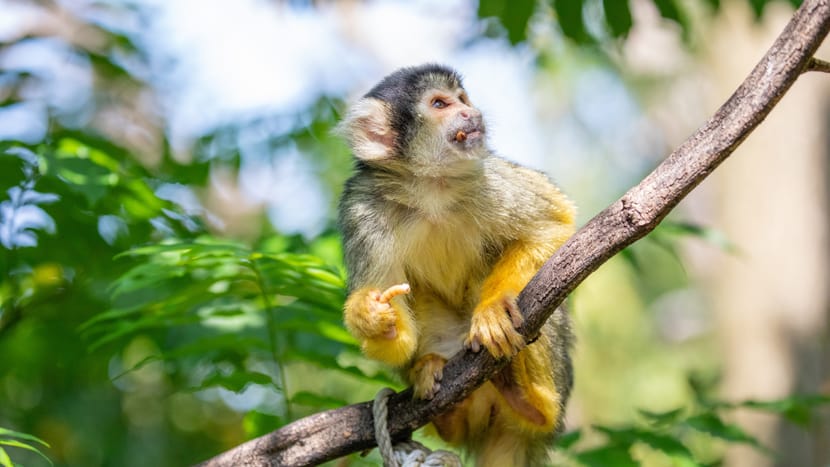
x,y
419,119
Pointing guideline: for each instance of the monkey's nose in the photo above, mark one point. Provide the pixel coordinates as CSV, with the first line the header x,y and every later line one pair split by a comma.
x,y
468,114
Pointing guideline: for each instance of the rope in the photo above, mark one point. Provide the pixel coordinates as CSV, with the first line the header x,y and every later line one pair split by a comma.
x,y
407,453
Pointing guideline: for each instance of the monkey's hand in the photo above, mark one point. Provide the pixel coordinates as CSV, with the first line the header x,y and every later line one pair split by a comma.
x,y
386,328
375,317
494,326
426,375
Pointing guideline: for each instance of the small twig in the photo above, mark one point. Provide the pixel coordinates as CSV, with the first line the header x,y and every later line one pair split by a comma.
x,y
816,64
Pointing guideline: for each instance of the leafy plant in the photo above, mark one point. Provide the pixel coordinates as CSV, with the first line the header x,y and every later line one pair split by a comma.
x,y
236,310
669,437
587,22
20,440
21,214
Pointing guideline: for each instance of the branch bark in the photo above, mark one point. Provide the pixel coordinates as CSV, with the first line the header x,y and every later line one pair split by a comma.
x,y
328,435
818,65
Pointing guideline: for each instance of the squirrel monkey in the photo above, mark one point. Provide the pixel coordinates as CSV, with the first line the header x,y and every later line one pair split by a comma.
x,y
440,236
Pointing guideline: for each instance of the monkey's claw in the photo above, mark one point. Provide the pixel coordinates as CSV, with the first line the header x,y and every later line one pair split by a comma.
x,y
494,327
426,375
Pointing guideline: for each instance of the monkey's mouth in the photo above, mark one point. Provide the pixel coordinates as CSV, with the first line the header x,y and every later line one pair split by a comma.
x,y
467,136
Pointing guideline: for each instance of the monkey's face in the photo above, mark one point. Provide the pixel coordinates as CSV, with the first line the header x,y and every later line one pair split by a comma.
x,y
417,120
451,116
449,136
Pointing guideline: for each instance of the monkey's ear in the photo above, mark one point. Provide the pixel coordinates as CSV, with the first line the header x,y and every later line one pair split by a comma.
x,y
368,130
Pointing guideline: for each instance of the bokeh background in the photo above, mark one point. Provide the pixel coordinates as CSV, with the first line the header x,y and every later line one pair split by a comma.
x,y
172,277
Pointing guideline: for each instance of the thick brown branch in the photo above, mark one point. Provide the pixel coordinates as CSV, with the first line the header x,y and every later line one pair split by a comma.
x,y
331,434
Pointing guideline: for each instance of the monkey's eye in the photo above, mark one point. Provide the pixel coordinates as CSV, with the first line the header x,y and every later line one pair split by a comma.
x,y
439,103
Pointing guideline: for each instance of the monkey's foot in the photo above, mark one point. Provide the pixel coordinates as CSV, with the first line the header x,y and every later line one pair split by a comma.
x,y
426,375
494,327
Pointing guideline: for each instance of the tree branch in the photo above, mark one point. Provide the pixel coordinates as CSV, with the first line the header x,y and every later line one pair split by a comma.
x,y
816,64
328,435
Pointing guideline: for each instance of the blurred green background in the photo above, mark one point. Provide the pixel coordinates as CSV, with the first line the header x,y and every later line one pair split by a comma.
x,y
172,279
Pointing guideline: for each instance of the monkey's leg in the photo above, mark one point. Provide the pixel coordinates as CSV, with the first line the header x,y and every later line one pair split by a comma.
x,y
531,411
527,385
492,431
467,421
383,323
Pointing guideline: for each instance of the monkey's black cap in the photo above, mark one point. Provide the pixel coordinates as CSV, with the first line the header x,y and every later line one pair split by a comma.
x,y
413,81
402,89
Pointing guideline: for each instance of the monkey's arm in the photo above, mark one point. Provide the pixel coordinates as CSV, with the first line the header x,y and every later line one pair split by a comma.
x,y
496,316
376,311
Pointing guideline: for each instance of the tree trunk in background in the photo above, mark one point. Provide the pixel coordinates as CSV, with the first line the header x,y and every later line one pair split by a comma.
x,y
771,298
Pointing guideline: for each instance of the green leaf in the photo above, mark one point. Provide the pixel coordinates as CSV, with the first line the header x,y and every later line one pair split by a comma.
x,y
666,444
222,342
703,387
617,17
22,445
16,434
684,461
569,14
605,456
204,347
619,436
712,236
121,329
330,331
713,425
662,419
797,409
758,7
5,460
567,440
257,423
514,16
668,9
201,245
86,170
379,379
141,364
671,10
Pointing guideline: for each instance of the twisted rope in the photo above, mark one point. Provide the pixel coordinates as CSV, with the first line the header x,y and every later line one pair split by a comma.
x,y
407,453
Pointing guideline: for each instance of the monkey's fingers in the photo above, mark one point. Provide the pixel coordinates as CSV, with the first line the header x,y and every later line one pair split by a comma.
x,y
514,312
394,291
472,343
493,328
